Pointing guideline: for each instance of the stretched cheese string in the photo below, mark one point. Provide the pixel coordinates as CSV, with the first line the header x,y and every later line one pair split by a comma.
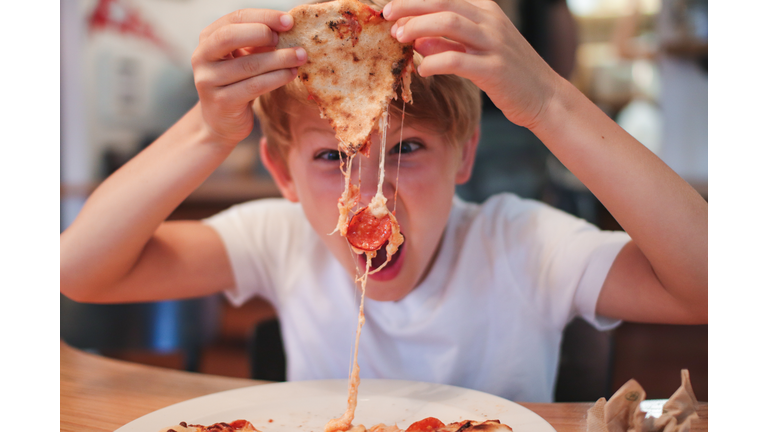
x,y
399,153
395,239
378,205
344,423
349,198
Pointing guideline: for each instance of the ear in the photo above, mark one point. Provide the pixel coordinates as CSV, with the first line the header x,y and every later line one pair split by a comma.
x,y
279,171
468,151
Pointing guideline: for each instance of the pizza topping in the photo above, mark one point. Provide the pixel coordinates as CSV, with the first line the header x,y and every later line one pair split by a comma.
x,y
426,425
347,28
366,232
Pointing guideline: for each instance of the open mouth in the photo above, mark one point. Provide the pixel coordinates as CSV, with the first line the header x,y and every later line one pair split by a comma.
x,y
391,270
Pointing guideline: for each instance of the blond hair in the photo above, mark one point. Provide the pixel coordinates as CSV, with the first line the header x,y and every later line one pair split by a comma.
x,y
447,105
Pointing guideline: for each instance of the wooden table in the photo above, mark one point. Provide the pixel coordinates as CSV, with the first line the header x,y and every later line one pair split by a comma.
x,y
101,394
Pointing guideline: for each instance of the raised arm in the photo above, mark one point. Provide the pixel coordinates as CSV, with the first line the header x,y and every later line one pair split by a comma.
x,y
119,248
661,276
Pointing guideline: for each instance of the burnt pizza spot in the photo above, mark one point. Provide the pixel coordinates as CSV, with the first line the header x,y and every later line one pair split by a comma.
x,y
184,424
354,58
316,39
371,73
333,71
397,69
347,27
464,426
304,77
316,15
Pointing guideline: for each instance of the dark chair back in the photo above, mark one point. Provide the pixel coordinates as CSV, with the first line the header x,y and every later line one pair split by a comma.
x,y
162,327
266,352
586,364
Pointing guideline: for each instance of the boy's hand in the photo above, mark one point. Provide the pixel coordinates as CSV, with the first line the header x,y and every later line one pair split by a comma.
x,y
236,62
474,39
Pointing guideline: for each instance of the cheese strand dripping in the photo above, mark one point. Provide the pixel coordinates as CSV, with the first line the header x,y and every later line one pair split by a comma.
x,y
344,423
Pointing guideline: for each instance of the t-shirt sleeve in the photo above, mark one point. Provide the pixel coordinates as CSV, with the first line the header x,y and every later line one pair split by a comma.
x,y
256,236
565,260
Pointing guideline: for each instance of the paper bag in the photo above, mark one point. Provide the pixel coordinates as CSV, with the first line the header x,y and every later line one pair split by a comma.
x,y
622,412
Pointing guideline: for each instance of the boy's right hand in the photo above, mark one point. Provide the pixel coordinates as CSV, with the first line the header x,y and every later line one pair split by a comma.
x,y
236,62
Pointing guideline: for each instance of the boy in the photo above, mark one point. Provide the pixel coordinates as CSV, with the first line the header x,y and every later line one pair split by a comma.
x,y
478,295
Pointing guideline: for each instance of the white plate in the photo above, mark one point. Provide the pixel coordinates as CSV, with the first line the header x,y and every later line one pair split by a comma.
x,y
306,406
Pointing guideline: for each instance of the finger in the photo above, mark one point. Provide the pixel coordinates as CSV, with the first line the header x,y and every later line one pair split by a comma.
x,y
231,37
451,62
433,45
403,8
241,68
251,88
276,20
443,24
400,22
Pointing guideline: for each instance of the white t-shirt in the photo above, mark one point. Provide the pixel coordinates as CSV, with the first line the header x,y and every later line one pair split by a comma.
x,y
510,274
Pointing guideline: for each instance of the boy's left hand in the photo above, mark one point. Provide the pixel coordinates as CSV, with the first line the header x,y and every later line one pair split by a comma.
x,y
476,40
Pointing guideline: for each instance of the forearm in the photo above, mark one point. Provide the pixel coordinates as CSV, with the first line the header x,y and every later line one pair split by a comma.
x,y
106,239
662,213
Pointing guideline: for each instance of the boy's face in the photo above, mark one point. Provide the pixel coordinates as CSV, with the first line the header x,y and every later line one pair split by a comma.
x,y
430,167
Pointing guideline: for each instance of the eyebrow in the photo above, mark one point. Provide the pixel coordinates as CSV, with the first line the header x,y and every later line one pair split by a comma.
x,y
319,129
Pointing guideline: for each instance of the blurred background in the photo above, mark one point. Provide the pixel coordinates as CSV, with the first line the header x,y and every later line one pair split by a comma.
x,y
126,77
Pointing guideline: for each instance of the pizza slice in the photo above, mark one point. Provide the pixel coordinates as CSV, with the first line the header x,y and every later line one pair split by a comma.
x,y
354,66
235,426
429,424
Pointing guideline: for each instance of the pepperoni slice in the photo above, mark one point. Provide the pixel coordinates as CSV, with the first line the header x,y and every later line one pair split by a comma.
x,y
428,424
366,232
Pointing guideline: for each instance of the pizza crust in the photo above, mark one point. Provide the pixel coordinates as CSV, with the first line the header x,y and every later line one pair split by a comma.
x,y
235,426
354,66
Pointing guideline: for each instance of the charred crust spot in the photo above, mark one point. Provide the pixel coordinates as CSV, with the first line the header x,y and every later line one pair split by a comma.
x,y
397,70
316,15
466,425
371,73
305,77
348,13
333,71
354,58
184,424
316,39
333,25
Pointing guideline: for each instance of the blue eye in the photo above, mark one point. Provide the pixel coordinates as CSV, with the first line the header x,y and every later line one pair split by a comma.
x,y
329,155
408,146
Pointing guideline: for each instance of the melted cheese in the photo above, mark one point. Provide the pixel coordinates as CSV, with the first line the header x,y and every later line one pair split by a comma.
x,y
378,207
344,423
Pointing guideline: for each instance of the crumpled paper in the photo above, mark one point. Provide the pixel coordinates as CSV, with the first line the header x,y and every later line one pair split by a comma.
x,y
622,412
